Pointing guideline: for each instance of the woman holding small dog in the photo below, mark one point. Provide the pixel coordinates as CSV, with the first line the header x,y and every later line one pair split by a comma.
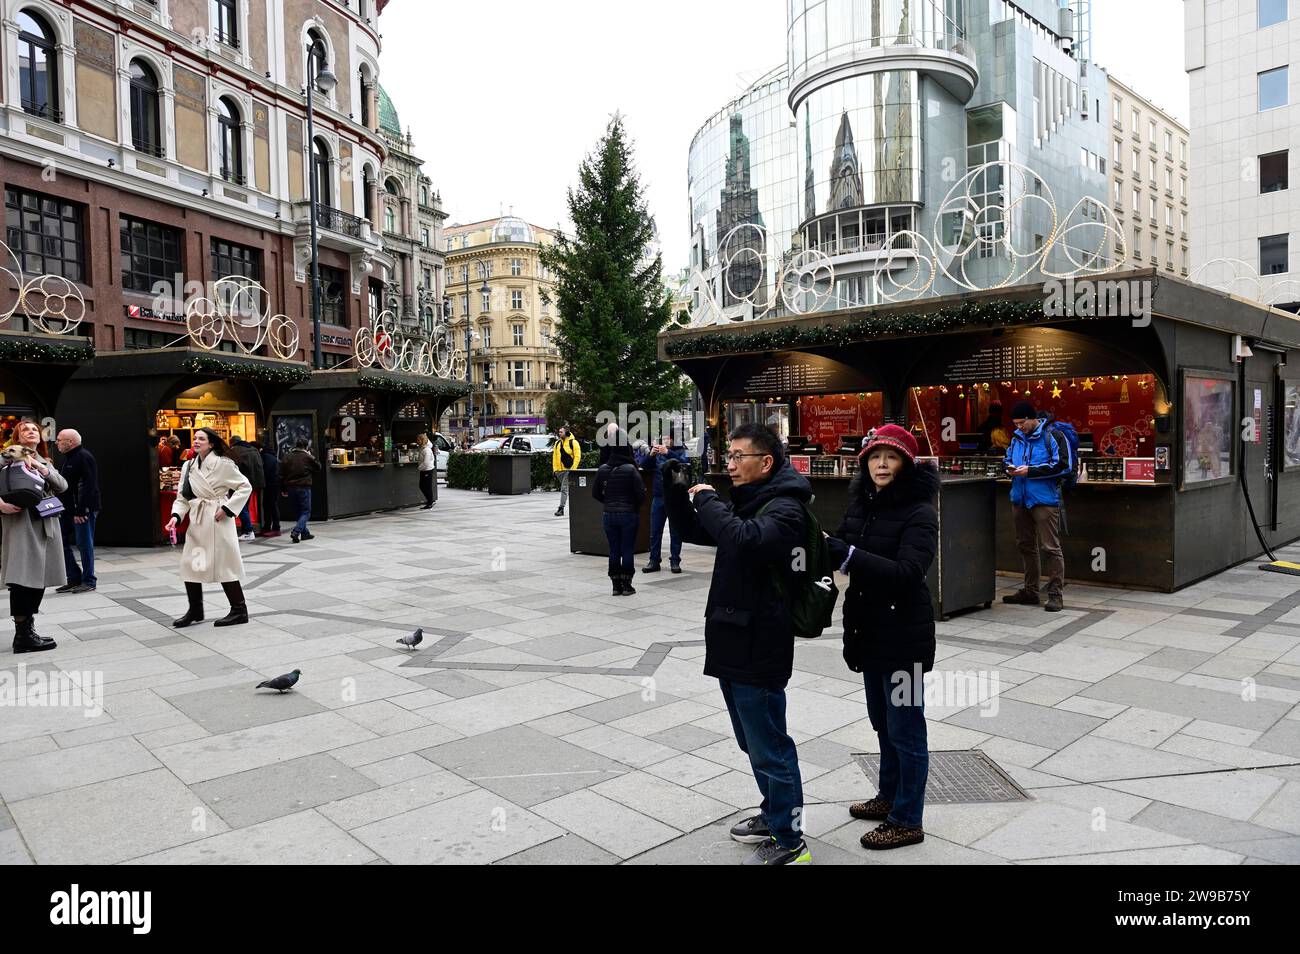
x,y
212,492
31,556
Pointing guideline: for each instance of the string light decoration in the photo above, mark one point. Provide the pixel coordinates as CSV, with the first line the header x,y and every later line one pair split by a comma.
x,y
51,302
1236,277
384,346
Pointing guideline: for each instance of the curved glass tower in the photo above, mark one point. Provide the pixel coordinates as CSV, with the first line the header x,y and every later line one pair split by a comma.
x,y
882,109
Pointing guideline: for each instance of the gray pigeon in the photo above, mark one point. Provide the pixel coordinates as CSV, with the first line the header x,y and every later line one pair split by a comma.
x,y
410,642
287,681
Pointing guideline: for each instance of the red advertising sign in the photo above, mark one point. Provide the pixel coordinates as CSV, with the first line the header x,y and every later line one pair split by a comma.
x,y
801,463
1140,468
827,419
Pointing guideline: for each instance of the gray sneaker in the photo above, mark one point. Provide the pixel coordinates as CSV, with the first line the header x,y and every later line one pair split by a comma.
x,y
771,853
751,831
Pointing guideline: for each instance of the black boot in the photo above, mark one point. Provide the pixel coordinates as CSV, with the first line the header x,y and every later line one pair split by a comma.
x,y
617,580
27,640
195,613
238,608
627,585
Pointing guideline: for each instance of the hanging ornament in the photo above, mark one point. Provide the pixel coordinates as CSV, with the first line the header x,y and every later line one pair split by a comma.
x,y
1087,384
1072,385
1056,392
862,396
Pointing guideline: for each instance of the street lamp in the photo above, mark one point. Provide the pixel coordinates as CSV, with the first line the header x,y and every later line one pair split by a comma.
x,y
327,81
469,355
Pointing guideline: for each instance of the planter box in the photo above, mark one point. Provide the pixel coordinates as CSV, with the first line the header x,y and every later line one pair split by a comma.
x,y
510,474
586,524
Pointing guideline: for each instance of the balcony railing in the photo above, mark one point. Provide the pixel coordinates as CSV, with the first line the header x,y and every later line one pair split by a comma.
x,y
155,149
230,175
43,110
336,220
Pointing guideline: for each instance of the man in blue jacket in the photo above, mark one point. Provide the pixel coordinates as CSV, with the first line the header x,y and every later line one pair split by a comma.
x,y
1036,461
660,454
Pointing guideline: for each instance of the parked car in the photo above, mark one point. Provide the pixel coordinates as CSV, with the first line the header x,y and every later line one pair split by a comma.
x,y
537,442
489,444
442,448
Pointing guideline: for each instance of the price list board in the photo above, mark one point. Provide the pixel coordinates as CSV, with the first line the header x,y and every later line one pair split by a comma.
x,y
1015,360
800,374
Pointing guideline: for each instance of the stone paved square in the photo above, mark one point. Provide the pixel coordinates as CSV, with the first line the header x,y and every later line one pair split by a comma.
x,y
452,755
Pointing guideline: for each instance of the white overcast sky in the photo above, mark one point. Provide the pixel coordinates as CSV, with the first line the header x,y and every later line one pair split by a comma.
x,y
505,97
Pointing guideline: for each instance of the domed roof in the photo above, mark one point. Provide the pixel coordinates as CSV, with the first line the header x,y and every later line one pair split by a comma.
x,y
512,229
388,120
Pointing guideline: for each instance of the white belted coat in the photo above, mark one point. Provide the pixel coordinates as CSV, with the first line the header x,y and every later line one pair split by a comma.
x,y
211,546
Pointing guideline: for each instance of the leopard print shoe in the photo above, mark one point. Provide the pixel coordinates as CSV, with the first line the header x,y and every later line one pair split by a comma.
x,y
877,809
890,835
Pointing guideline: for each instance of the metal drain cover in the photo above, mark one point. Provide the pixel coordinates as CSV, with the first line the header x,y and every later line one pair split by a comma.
x,y
956,777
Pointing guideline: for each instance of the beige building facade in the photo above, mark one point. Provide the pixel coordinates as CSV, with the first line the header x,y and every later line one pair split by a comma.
x,y
496,286
1150,164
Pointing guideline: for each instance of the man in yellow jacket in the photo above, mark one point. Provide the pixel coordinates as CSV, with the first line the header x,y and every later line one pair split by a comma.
x,y
565,456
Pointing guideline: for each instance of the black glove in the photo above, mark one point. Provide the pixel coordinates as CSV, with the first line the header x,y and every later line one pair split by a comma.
x,y
852,644
839,551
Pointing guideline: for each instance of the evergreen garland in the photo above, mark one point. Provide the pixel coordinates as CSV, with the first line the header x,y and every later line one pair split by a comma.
x,y
874,325
24,349
437,386
287,373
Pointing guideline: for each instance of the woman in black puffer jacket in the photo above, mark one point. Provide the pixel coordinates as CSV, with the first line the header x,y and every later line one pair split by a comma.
x,y
620,487
886,544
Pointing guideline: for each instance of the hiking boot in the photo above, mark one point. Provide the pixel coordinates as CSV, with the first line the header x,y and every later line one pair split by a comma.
x,y
308,536
294,536
890,835
559,512
651,567
1021,598
751,831
628,589
1054,604
771,853
618,585
876,809
675,567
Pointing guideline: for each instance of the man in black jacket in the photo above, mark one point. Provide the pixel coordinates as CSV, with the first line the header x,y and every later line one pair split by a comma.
x,y
249,460
81,507
748,634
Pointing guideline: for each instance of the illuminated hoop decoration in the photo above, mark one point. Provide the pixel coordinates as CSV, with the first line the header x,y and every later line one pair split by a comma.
x,y
382,345
1093,215
236,305
54,304
1239,271
804,282
920,270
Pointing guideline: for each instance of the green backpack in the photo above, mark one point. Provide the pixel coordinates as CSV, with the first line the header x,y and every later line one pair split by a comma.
x,y
810,593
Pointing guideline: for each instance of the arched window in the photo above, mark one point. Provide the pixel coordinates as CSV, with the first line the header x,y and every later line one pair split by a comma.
x,y
146,134
368,194
365,97
392,188
320,170
230,141
38,68
390,219
318,54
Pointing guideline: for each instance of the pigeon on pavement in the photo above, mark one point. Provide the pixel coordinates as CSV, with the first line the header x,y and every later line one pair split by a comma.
x,y
281,683
410,642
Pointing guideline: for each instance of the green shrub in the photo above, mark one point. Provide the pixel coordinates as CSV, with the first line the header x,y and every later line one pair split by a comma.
x,y
467,471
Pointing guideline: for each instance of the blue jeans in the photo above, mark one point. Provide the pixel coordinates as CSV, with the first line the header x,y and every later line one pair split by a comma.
x,y
245,519
658,517
898,717
303,496
83,538
620,531
758,718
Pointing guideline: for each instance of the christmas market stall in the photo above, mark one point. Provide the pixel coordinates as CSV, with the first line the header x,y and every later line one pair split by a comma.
x,y
1185,411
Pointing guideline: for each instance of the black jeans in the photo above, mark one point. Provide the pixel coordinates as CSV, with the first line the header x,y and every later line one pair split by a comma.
x,y
620,532
24,601
270,508
426,485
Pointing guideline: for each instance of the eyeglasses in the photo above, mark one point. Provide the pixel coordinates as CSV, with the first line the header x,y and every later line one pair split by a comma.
x,y
735,456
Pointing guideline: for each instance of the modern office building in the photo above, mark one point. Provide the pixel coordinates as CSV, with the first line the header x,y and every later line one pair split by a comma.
x,y
1149,170
497,287
863,140
1245,119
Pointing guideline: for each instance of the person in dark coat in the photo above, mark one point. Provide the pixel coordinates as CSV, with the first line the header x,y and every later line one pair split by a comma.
x,y
620,488
249,459
80,510
748,631
270,502
660,454
886,543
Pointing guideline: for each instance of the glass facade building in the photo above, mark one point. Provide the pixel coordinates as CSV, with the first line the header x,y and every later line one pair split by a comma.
x,y
869,136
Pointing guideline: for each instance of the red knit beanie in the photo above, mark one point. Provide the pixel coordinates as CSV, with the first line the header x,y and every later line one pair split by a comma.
x,y
898,438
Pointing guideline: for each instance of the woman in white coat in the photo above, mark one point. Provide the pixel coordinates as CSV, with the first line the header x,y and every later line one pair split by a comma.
x,y
428,467
31,557
212,492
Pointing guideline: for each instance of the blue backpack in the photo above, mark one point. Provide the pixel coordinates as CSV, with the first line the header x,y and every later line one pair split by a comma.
x,y
1067,431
